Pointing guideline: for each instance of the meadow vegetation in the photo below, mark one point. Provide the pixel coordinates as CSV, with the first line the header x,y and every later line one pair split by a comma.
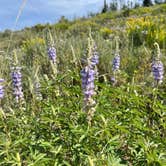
x,y
129,124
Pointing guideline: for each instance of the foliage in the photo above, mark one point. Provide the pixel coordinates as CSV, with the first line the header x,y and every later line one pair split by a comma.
x,y
106,32
113,6
83,27
105,7
147,3
146,29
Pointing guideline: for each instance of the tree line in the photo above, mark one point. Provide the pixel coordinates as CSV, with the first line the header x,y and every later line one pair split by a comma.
x,y
119,4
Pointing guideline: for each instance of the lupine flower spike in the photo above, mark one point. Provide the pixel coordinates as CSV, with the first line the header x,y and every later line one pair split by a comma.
x,y
116,62
95,56
17,80
1,88
17,83
157,66
88,75
52,54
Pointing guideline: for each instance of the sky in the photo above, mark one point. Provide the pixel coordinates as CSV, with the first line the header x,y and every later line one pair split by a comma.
x,y
44,11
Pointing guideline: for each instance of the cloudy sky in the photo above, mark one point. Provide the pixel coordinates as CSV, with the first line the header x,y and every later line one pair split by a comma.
x,y
44,11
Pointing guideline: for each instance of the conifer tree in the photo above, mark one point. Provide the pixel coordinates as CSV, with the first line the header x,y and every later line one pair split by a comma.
x,y
105,8
114,5
147,3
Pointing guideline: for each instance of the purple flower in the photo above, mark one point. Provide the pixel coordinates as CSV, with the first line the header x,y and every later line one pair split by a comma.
x,y
158,71
95,56
52,54
1,89
88,77
113,80
17,85
116,62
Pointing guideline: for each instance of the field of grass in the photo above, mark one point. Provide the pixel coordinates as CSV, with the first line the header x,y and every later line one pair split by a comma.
x,y
48,126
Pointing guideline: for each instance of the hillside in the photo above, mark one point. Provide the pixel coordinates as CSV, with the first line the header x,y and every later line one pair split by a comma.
x,y
107,23
91,91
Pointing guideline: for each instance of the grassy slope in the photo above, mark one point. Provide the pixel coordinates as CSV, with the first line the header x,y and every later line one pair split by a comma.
x,y
113,20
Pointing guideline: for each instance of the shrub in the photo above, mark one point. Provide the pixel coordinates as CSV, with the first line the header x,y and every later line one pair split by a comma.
x,y
106,32
146,29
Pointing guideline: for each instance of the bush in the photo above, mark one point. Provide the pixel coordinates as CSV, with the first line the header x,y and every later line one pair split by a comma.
x,y
106,32
146,30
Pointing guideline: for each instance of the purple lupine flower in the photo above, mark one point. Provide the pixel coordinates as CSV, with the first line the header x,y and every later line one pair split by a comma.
x,y
88,77
158,70
95,56
52,54
17,84
113,80
116,62
1,89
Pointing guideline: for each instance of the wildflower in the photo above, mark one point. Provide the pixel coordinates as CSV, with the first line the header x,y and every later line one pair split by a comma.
x,y
116,62
88,77
158,71
95,56
52,54
17,84
1,88
113,80
157,66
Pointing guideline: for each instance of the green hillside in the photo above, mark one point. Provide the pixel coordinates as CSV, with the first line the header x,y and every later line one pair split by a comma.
x,y
47,118
115,21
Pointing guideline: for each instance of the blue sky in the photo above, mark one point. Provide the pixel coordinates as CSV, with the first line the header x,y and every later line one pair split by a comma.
x,y
44,11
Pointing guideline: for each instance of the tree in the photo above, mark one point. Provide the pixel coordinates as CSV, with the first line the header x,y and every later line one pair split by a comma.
x,y
6,33
105,8
147,3
158,1
136,5
63,19
114,5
